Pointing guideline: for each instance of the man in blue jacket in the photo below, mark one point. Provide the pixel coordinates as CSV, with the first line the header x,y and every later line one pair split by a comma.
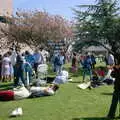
x,y
87,67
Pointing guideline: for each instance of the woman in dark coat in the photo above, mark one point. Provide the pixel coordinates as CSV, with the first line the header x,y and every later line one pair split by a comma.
x,y
74,62
116,94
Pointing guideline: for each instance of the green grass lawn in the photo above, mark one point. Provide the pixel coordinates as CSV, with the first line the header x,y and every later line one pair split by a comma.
x,y
69,103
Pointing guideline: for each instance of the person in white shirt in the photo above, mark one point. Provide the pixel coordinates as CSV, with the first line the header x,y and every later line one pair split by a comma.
x,y
6,67
45,55
13,56
43,91
38,60
111,60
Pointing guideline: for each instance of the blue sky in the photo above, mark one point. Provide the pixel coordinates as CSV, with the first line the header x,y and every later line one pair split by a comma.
x,y
61,7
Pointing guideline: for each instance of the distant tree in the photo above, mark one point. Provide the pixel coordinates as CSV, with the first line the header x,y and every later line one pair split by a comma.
x,y
98,24
34,28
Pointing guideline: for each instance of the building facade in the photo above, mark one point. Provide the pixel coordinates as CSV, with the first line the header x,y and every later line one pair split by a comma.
x,y
6,7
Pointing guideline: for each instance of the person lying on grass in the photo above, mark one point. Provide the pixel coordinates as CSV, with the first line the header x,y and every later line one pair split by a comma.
x,y
43,91
15,94
22,92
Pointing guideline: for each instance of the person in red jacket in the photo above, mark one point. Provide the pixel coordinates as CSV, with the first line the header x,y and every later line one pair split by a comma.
x,y
6,95
16,94
22,92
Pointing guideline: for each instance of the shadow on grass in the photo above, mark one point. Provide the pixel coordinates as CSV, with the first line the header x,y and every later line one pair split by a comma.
x,y
13,117
75,82
50,79
107,93
92,118
6,86
76,74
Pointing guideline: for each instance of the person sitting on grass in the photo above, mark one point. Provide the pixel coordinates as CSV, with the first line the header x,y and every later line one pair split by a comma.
x,y
98,75
96,79
61,78
95,76
101,73
108,79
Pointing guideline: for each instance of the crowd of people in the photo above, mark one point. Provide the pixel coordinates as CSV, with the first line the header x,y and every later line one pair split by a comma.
x,y
21,67
18,67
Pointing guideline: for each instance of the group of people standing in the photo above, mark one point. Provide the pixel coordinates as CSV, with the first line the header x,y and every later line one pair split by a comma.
x,y
87,62
19,66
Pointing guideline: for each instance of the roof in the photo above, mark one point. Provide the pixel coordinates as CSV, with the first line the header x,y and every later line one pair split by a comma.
x,y
95,48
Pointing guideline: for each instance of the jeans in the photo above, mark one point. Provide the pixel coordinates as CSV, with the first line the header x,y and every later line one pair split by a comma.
x,y
58,68
36,69
87,71
19,76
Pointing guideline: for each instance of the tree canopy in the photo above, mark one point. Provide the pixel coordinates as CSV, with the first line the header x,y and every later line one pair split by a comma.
x,y
98,24
34,28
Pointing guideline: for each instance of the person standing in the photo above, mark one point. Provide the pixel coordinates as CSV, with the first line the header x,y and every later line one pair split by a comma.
x,y
13,56
19,71
59,60
87,67
74,62
111,60
93,61
27,73
45,55
38,59
6,67
54,60
29,58
116,94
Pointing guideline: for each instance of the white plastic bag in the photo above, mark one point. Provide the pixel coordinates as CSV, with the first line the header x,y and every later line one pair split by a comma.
x,y
17,112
